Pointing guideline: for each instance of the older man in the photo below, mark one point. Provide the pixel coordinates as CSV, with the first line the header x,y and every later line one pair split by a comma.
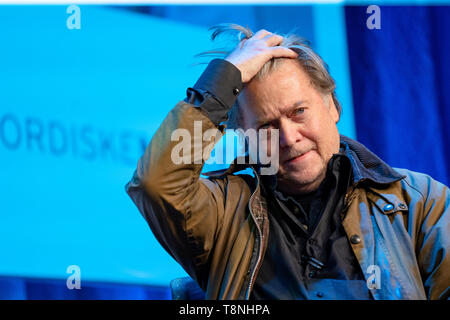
x,y
334,222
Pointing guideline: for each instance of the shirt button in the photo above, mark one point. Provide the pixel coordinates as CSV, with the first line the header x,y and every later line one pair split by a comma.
x,y
235,91
319,294
355,239
388,207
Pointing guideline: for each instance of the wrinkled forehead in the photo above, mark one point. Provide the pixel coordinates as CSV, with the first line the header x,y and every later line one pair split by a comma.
x,y
271,98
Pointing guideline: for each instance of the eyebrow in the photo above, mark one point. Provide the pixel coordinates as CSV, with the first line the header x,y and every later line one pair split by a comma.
x,y
264,121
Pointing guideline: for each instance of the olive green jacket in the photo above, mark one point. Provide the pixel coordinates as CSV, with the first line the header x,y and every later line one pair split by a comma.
x,y
217,227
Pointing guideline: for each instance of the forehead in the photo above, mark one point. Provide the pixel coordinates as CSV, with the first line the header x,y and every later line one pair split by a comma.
x,y
277,92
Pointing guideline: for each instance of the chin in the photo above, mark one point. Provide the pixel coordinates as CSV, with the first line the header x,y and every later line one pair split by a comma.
x,y
302,180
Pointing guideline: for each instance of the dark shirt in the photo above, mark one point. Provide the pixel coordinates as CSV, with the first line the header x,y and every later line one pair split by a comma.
x,y
308,254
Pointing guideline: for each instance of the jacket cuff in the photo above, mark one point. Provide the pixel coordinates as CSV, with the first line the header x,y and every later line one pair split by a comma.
x,y
223,80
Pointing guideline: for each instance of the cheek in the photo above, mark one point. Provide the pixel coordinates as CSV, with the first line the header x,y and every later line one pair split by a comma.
x,y
325,135
266,143
313,131
330,142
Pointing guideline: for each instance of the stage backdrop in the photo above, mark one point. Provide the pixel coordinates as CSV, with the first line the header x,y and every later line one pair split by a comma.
x,y
400,80
77,109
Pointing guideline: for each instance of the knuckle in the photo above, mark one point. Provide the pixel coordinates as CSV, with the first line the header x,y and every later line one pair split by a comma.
x,y
262,32
273,38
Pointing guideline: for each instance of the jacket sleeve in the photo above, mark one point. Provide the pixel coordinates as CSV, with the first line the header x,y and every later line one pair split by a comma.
x,y
434,239
183,210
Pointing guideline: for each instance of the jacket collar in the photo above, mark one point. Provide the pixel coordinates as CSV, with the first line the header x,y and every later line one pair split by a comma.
x,y
366,166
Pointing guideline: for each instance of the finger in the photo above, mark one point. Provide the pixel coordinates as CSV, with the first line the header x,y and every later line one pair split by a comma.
x,y
260,34
282,52
273,40
242,43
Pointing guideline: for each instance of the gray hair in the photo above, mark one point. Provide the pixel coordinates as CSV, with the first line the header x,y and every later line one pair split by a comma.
x,y
311,62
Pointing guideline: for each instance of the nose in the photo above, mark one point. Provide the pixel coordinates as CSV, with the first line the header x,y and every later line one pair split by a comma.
x,y
289,134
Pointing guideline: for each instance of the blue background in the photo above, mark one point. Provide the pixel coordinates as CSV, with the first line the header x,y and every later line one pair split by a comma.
x,y
77,108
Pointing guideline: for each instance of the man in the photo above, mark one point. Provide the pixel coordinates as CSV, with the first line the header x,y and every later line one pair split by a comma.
x,y
334,222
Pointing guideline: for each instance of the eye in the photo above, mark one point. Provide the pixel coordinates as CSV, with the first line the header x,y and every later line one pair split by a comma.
x,y
299,111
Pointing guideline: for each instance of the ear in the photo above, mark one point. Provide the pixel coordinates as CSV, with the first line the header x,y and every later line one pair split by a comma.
x,y
332,108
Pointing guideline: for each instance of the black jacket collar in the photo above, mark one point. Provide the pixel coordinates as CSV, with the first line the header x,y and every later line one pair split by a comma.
x,y
366,165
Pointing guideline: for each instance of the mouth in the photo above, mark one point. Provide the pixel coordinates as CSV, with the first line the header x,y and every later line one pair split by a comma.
x,y
297,158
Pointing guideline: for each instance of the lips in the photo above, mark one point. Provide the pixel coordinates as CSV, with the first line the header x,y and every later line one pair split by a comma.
x,y
297,158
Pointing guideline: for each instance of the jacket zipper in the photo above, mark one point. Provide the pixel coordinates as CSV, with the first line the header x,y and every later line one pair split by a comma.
x,y
250,285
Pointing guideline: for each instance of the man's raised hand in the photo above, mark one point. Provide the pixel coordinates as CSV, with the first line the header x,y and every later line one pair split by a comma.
x,y
251,54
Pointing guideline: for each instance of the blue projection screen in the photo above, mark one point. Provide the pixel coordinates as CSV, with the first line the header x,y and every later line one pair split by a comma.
x,y
77,108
